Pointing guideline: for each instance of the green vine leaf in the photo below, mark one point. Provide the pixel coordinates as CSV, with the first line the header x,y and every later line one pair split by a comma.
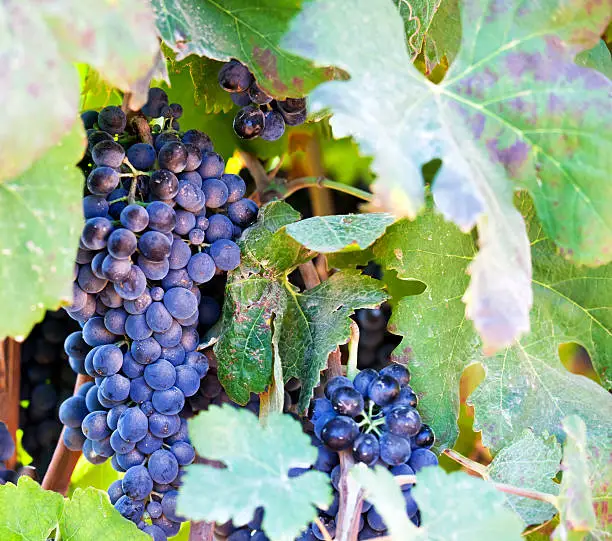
x,y
598,58
89,514
337,233
233,29
40,87
530,462
39,228
526,386
265,316
257,459
28,513
484,515
383,492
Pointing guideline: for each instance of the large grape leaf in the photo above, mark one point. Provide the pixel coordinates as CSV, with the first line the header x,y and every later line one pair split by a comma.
x,y
598,58
237,29
257,459
27,512
264,315
40,223
39,88
526,385
503,117
530,462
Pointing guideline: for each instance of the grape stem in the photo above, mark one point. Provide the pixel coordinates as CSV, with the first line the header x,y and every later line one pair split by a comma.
x,y
351,501
64,460
502,487
320,182
323,529
353,347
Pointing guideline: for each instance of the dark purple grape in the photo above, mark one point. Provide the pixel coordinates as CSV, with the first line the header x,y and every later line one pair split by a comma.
x,y
363,379
135,218
257,95
215,191
199,139
194,157
212,165
164,184
112,120
108,153
142,156
235,77
236,187
226,254
347,401
397,371
422,458
425,437
394,450
335,383
102,181
154,245
89,119
243,212
156,100
241,98
219,227
406,397
340,432
274,126
383,390
96,232
403,421
162,217
121,243
366,449
172,156
249,122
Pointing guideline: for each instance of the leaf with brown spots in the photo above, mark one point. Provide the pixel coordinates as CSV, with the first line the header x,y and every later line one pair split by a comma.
x,y
40,224
265,318
514,110
243,30
39,87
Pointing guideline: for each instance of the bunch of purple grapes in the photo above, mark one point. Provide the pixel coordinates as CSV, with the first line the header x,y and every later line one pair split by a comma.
x,y
375,418
46,380
159,229
260,115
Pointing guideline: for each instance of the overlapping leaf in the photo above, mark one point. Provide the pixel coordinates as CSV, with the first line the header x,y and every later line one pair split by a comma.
x,y
238,29
530,462
525,386
514,110
257,461
29,513
39,88
40,223
264,315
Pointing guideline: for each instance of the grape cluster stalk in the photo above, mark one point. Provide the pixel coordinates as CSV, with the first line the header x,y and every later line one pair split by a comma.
x,y
160,224
260,115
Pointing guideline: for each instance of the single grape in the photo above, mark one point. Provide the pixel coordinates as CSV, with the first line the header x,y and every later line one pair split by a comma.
x,y
149,444
422,458
406,397
121,243
171,337
397,371
383,390
156,100
241,98
162,217
212,165
184,452
194,157
94,425
425,437
215,192
107,360
140,304
133,425
142,156
115,388
196,236
89,119
347,401
187,380
95,206
108,153
164,426
96,334
180,302
193,177
394,450
116,270
160,375
96,232
185,222
155,532
130,508
219,227
169,401
403,421
335,383
73,438
201,268
146,351
112,119
274,126
363,379
154,245
249,122
88,281
180,254
72,412
226,254
140,391
243,212
173,156
235,77
153,270
163,184
163,466
189,197
339,433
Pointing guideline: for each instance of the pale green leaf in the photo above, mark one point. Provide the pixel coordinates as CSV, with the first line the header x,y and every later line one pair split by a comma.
x,y
40,223
471,509
529,462
340,232
89,514
383,492
39,88
598,58
257,461
27,512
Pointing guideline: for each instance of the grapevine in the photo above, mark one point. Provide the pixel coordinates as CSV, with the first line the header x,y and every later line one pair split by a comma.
x,y
329,270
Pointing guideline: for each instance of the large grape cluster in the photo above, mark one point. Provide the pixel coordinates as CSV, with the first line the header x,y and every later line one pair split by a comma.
x,y
375,418
260,115
46,380
160,224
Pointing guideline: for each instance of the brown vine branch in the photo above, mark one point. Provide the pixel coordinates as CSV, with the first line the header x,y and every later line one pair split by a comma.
x,y
321,182
351,501
502,487
262,181
64,460
10,373
201,531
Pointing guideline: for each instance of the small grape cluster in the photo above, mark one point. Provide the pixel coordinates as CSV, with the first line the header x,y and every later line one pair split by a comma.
x,y
260,115
375,418
46,380
160,224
